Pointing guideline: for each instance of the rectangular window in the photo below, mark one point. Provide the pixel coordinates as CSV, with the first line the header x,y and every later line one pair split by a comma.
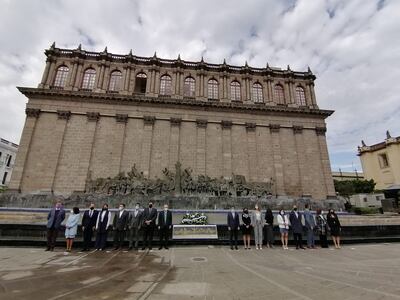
x,y
4,178
9,160
383,160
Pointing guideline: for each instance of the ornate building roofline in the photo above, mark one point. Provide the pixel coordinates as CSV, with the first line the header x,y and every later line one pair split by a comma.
x,y
135,99
54,52
379,146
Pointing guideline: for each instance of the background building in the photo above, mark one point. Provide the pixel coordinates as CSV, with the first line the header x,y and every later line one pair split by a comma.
x,y
340,175
8,152
381,162
95,115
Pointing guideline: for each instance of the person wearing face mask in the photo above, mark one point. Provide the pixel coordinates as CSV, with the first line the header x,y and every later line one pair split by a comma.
x,y
246,228
71,227
134,225
334,227
89,220
258,224
102,225
283,222
149,223
295,219
269,228
54,219
310,225
322,228
120,224
233,227
164,226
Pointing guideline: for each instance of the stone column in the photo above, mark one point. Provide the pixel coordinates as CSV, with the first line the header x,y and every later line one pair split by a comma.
x,y
106,78
312,92
326,166
252,152
277,154
174,143
78,77
301,159
101,76
72,79
50,77
59,131
286,89
146,144
45,74
87,155
157,83
16,182
226,148
201,146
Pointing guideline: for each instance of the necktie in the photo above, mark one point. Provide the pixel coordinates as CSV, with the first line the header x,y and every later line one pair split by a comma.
x,y
165,217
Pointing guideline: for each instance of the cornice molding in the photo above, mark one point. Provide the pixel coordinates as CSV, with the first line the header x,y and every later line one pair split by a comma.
x,y
135,99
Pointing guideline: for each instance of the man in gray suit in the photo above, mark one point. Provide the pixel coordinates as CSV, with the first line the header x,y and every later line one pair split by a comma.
x,y
135,223
54,219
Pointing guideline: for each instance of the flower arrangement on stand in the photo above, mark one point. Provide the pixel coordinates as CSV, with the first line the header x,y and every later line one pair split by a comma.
x,y
194,219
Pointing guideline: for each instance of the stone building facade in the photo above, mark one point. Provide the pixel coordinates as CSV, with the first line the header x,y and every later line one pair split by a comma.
x,y
98,114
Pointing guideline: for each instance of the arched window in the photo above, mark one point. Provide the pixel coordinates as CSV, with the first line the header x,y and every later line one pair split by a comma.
x,y
235,91
88,79
61,76
115,81
212,89
189,87
257,93
279,95
166,85
300,96
140,83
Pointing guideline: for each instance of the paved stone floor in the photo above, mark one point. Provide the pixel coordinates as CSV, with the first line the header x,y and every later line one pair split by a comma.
x,y
355,272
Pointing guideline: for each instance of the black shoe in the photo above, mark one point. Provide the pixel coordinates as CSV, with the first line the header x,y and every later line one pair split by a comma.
x,y
231,247
116,248
302,248
144,248
52,249
166,248
159,248
236,248
297,247
47,249
130,248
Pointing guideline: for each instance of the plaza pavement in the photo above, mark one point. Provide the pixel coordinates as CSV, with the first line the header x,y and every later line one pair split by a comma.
x,y
368,271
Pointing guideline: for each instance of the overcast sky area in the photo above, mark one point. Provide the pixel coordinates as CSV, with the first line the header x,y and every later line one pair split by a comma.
x,y
352,46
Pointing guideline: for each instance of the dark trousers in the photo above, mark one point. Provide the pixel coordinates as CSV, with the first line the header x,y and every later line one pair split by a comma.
x,y
233,237
148,232
134,235
298,240
87,237
101,240
164,236
119,237
52,234
323,241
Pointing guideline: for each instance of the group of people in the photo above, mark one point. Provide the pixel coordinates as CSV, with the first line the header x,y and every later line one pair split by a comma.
x,y
124,224
296,221
129,224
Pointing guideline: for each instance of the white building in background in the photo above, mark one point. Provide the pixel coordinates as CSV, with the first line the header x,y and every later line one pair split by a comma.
x,y
8,152
367,200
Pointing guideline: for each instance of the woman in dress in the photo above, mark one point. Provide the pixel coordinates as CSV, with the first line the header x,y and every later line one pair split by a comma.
x,y
335,227
322,228
269,226
283,222
71,227
258,224
246,228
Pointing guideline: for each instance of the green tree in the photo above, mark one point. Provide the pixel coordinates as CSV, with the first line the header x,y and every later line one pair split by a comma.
x,y
346,188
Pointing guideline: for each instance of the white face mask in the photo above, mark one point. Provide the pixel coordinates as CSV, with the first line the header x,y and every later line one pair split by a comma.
x,y
322,212
232,210
165,208
121,208
137,206
72,211
282,213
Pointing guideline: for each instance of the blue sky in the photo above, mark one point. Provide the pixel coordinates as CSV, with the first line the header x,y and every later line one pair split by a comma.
x,y
353,47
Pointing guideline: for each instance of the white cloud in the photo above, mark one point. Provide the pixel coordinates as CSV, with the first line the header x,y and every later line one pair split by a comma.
x,y
353,46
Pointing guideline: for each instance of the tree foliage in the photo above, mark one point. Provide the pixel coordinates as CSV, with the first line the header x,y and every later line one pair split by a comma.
x,y
347,188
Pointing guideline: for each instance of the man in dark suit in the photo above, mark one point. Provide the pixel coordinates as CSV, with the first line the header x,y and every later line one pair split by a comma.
x,y
149,223
164,226
89,220
295,219
120,224
233,226
54,219
134,225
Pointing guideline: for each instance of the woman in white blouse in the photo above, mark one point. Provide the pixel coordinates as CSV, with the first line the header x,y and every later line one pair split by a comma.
x,y
283,222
